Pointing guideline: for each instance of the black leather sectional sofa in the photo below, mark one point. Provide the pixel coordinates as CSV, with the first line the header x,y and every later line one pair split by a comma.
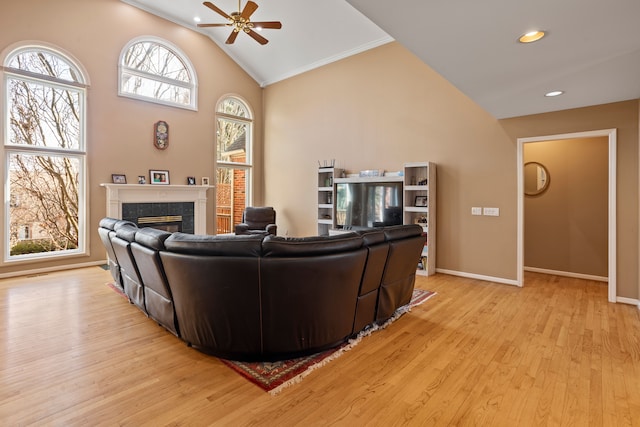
x,y
264,297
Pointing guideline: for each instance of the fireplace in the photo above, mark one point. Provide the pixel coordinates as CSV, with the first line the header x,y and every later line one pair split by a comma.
x,y
170,223
175,216
134,201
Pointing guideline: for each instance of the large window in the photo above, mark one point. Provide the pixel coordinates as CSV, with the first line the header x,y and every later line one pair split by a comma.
x,y
233,174
153,70
44,148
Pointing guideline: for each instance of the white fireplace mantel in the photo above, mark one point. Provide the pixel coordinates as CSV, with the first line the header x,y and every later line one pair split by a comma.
x,y
117,194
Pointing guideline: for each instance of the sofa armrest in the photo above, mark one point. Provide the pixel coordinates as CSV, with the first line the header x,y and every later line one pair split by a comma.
x,y
242,228
272,229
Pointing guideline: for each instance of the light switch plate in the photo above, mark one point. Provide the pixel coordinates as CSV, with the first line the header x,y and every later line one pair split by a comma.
x,y
476,211
491,211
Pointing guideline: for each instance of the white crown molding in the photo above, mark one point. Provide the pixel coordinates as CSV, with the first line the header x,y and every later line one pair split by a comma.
x,y
329,60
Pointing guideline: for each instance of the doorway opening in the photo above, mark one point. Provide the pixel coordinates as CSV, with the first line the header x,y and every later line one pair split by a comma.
x,y
611,203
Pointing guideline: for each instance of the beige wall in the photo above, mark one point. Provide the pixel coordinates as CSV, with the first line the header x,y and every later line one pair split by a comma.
x,y
565,227
383,107
120,130
377,110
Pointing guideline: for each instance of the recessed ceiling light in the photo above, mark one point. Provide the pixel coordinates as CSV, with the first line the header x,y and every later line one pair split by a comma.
x,y
196,19
554,93
532,36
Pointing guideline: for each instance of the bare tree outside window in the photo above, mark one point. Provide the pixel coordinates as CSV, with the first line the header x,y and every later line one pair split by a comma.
x,y
153,71
44,153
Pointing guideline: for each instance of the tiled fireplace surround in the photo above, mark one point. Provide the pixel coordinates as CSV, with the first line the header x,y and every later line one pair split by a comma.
x,y
124,201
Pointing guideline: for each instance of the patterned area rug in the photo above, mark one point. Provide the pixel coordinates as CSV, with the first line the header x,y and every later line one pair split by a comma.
x,y
274,376
117,290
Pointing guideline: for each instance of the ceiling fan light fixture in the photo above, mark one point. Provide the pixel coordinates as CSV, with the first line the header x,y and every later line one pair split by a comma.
x,y
532,36
240,21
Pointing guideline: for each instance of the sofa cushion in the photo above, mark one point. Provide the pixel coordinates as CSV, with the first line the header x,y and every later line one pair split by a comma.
x,y
196,244
275,246
152,238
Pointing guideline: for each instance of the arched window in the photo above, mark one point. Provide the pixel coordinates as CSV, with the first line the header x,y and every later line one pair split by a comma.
x,y
44,149
234,162
153,70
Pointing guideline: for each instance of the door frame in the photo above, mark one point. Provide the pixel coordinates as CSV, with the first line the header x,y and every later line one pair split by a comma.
x,y
611,134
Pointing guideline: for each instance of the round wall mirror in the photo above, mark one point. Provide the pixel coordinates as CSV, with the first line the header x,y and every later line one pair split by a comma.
x,y
536,178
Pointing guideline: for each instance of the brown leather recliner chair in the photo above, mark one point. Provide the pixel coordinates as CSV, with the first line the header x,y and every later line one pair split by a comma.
x,y
106,230
158,300
131,281
258,220
377,252
215,284
398,279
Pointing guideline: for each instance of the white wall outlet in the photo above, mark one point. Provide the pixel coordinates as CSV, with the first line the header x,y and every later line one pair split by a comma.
x,y
491,211
476,211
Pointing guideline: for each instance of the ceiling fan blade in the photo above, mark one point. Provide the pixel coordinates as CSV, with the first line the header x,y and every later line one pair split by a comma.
x,y
257,37
214,25
248,10
268,24
232,37
216,9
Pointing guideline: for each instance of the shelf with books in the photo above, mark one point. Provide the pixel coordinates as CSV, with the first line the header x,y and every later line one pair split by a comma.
x,y
420,208
326,186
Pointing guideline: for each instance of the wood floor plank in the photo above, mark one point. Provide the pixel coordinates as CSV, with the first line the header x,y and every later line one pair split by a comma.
x,y
555,352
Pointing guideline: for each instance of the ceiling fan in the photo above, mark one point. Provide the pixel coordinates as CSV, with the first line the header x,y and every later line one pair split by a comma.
x,y
240,21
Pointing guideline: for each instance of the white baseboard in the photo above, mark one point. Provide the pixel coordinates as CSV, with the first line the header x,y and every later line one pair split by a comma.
x,y
622,300
51,269
478,277
567,274
631,301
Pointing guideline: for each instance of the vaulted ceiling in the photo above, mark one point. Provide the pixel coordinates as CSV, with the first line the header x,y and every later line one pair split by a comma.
x,y
591,51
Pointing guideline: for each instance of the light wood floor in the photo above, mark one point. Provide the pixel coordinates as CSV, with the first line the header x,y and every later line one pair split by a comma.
x,y
555,352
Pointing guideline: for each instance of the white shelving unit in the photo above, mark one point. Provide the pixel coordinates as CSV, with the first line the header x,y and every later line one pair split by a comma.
x,y
420,208
326,198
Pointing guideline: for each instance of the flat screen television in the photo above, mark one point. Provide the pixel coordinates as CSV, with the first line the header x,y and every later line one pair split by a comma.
x,y
361,205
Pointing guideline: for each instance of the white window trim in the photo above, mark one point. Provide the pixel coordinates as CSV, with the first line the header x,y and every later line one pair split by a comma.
x,y
248,165
193,86
8,149
82,211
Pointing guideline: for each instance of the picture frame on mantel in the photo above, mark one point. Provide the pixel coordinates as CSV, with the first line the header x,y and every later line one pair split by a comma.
x,y
118,178
159,177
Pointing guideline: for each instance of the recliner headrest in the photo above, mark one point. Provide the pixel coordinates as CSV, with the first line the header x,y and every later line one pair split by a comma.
x,y
397,232
109,223
372,236
194,244
152,238
127,232
122,223
305,246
